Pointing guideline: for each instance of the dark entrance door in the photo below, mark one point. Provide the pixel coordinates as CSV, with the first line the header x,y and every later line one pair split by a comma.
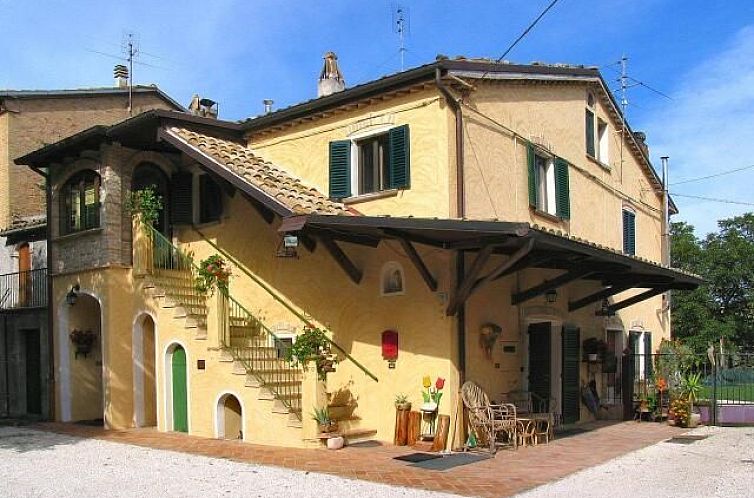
x,y
571,364
33,372
540,377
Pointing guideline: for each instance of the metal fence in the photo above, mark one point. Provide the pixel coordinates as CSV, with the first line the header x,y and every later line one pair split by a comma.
x,y
725,396
25,289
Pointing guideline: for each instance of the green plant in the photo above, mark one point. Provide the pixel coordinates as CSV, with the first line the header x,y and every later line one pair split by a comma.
x,y
213,272
401,400
680,411
312,343
593,345
691,386
146,203
321,415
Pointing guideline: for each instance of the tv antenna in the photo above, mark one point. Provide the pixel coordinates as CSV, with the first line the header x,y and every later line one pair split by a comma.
x,y
401,26
130,47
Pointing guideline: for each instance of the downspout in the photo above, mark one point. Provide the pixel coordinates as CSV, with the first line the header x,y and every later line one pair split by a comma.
x,y
7,365
456,107
50,338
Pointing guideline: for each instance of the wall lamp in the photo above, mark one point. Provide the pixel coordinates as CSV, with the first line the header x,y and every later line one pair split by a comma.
x,y
551,296
73,295
288,246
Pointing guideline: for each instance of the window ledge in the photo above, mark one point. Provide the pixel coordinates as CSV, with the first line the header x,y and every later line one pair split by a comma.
x,y
546,215
371,196
80,233
599,163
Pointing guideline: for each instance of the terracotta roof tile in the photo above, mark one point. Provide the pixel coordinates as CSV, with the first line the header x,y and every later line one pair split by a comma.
x,y
264,175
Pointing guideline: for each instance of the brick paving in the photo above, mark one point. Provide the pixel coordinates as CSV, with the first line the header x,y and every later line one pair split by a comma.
x,y
510,472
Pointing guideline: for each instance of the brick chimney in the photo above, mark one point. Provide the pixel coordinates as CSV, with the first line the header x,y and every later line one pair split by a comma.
x,y
330,79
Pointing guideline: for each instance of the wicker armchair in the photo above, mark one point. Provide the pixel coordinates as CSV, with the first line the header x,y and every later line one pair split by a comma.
x,y
493,424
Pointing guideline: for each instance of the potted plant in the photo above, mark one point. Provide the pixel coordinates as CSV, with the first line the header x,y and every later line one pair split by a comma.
x,y
402,403
679,412
593,348
691,386
213,272
322,417
312,343
83,340
145,203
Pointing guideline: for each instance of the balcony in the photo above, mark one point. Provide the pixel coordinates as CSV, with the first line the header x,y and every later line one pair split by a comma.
x,y
23,290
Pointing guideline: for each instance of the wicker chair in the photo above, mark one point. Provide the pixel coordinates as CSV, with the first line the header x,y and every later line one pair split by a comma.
x,y
491,423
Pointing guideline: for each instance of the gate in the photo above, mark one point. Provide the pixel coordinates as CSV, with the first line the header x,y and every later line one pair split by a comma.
x,y
726,396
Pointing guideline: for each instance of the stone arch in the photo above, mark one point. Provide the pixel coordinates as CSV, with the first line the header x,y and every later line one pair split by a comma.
x,y
144,370
229,416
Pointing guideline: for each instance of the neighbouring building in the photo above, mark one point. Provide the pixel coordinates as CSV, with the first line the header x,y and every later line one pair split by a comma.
x,y
30,119
479,219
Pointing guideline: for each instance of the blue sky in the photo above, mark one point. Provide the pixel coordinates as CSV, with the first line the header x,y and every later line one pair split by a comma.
x,y
701,53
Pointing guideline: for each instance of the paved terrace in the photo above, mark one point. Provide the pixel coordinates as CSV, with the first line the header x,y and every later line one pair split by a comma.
x,y
510,472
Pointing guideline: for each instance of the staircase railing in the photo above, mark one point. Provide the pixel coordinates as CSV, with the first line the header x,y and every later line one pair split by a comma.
x,y
261,283
246,337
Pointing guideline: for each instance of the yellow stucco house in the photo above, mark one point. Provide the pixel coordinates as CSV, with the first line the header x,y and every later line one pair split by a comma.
x,y
489,216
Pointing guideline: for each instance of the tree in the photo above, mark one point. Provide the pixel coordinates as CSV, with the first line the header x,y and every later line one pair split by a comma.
x,y
723,306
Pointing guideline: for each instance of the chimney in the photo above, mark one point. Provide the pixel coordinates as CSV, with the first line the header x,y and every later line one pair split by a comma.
x,y
641,139
268,105
330,79
120,72
203,107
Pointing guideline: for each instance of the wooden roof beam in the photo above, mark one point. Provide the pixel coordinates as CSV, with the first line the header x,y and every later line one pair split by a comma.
x,y
342,259
636,299
416,259
597,296
463,290
551,284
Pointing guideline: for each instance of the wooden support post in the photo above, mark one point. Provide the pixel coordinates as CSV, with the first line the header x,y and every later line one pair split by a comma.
x,y
342,259
401,427
464,288
419,264
414,426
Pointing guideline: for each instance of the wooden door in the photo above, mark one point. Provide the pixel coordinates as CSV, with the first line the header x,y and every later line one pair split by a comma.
x,y
24,277
540,375
180,391
571,376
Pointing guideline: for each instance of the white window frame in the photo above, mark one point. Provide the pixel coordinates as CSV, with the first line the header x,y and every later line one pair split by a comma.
x,y
603,140
355,138
547,199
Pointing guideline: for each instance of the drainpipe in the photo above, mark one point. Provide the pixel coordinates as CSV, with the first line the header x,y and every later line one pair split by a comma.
x,y
456,107
7,365
666,232
50,340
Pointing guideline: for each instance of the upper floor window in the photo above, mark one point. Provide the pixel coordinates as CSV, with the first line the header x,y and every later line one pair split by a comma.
x,y
602,142
210,200
80,209
370,164
629,231
549,190
590,148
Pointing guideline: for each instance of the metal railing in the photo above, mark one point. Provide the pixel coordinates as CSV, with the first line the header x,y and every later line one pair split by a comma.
x,y
25,289
263,285
241,333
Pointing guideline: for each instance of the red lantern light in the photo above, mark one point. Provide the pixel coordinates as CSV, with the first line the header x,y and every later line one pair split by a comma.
x,y
390,345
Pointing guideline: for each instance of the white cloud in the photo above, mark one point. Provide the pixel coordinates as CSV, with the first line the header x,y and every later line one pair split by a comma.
x,y
709,128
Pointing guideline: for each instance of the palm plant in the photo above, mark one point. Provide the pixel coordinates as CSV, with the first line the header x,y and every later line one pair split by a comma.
x,y
691,386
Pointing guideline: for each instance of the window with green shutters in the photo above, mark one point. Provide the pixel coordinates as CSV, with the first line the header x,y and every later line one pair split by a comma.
x,y
370,164
590,149
549,189
629,232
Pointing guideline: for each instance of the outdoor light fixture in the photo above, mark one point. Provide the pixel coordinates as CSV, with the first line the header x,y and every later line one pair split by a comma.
x,y
73,295
551,296
605,309
288,246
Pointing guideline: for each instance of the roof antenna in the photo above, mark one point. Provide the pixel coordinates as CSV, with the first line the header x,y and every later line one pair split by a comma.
x,y
401,26
131,50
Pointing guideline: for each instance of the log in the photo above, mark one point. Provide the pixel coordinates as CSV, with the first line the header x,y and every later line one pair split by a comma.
x,y
401,427
441,434
414,426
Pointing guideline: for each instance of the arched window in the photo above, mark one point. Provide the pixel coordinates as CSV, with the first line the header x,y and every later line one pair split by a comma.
x,y
80,202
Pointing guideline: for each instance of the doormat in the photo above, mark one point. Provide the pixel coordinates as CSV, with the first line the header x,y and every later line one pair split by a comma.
x,y
685,439
416,457
451,461
97,422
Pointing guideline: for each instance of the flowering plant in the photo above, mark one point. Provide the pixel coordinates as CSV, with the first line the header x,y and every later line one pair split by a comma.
x,y
82,337
432,394
661,384
213,272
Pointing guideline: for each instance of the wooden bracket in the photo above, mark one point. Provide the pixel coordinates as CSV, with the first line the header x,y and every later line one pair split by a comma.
x,y
636,299
597,296
342,259
464,288
547,285
510,264
410,250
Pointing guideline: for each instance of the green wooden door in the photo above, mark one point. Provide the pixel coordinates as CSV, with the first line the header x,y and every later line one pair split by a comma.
x,y
570,378
539,359
180,393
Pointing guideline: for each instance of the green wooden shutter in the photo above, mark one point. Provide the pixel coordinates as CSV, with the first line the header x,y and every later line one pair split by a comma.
x,y
531,164
562,189
399,158
181,198
340,169
629,232
570,374
589,132
648,370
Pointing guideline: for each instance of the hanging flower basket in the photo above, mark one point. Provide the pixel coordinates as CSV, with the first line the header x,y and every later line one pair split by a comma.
x,y
83,340
213,272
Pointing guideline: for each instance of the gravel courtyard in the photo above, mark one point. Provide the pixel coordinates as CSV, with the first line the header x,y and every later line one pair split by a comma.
x,y
45,464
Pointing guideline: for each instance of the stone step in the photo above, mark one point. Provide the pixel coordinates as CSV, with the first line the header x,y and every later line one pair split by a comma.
x,y
358,435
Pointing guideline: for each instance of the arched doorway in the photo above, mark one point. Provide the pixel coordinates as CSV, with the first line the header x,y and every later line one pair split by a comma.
x,y
81,360
229,419
177,388
150,175
145,390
